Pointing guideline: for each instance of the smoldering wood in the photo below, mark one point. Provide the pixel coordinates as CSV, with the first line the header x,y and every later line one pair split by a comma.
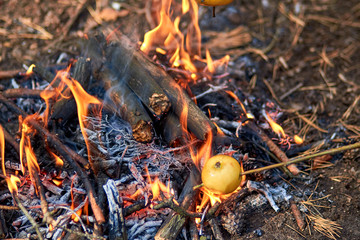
x,y
142,67
65,109
121,61
173,224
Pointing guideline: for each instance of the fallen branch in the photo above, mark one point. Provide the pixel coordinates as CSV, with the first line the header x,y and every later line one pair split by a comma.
x,y
23,93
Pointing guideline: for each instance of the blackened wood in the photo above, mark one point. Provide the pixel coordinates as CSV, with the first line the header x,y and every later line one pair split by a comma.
x,y
129,69
173,224
65,109
131,110
142,67
45,74
172,130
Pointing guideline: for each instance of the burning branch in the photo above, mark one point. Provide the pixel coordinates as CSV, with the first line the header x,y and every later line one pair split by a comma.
x,y
69,155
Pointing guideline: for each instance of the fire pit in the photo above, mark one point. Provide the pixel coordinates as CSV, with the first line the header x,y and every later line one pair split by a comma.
x,y
189,127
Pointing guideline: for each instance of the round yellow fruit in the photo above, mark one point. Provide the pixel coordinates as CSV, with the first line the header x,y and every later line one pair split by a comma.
x,y
213,3
221,174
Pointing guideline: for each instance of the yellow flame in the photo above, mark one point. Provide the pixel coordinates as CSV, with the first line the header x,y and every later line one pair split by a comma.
x,y
298,140
58,161
274,126
12,182
30,70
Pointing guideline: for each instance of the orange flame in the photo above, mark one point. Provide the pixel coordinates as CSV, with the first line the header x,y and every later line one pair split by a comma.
x,y
30,70
58,161
168,35
57,182
298,140
210,62
33,166
233,95
83,100
12,182
274,126
72,207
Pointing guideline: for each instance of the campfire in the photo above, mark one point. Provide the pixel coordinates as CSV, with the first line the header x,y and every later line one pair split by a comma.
x,y
152,139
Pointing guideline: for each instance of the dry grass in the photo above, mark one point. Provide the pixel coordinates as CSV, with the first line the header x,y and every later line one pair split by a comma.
x,y
327,227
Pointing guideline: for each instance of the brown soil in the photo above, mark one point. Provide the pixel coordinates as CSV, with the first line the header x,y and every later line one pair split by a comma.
x,y
316,45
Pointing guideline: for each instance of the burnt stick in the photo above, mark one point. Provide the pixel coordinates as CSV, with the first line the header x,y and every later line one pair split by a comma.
x,y
173,224
22,93
172,131
120,60
130,109
273,147
9,73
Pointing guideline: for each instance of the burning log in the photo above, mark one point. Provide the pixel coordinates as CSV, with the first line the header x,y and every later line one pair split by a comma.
x,y
140,67
147,89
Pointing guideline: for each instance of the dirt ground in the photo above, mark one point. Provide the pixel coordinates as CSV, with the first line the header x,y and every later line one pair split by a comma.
x,y
305,55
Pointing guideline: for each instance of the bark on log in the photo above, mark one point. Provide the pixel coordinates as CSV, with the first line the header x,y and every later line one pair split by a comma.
x,y
120,60
141,67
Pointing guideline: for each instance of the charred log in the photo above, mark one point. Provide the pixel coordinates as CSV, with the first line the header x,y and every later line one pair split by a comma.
x,y
121,61
131,110
140,67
